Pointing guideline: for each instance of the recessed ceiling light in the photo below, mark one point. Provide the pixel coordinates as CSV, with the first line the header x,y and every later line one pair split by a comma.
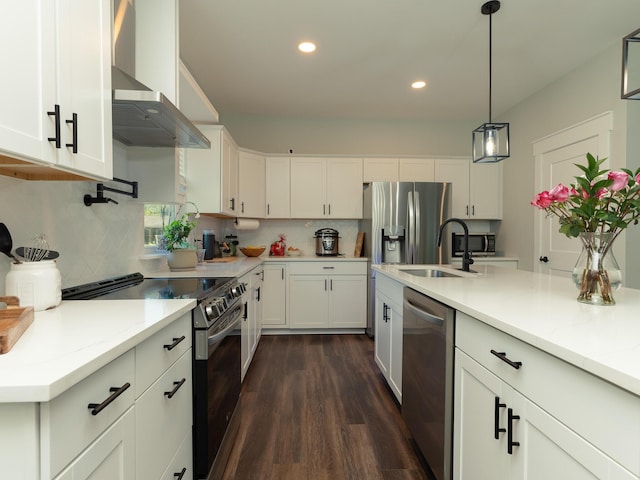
x,y
307,47
419,84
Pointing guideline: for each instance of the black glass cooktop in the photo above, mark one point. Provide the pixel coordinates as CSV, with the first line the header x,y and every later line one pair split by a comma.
x,y
136,287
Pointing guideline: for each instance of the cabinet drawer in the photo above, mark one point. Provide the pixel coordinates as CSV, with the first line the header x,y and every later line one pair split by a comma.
x,y
328,268
605,415
181,462
162,420
68,425
159,352
392,289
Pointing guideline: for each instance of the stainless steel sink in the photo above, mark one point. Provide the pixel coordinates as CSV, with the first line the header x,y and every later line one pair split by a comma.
x,y
428,272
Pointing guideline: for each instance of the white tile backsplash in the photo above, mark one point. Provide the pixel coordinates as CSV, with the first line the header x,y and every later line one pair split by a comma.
x,y
94,242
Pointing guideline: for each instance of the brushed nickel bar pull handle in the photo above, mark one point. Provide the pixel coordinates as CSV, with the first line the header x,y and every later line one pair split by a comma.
x,y
503,356
96,408
175,343
176,388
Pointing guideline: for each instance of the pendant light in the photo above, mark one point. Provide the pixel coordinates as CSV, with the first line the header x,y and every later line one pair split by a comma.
x,y
491,139
631,66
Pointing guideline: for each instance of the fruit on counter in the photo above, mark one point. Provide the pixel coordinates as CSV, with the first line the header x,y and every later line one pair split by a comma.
x,y
293,249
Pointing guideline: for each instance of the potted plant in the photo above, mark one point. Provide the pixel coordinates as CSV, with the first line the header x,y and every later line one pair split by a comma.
x,y
182,254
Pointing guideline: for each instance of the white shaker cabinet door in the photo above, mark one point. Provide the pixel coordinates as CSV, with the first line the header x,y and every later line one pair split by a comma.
x,y
347,301
84,85
477,454
251,185
308,188
308,301
278,186
110,457
27,87
344,187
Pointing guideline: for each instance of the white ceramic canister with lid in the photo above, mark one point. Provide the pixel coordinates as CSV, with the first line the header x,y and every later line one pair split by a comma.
x,y
36,284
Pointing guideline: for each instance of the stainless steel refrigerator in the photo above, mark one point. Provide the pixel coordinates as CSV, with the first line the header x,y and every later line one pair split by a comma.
x,y
401,222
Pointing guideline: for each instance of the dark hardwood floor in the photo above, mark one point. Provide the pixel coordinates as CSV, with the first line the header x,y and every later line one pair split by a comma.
x,y
317,407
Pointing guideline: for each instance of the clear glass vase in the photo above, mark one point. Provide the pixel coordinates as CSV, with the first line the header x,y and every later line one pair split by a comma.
x,y
596,273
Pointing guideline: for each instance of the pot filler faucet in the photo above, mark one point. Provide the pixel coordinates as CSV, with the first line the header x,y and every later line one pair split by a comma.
x,y
466,257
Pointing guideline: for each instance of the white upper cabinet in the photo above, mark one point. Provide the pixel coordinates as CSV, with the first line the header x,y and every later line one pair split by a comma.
x,y
416,170
398,170
277,186
212,174
251,184
477,188
326,187
57,98
379,170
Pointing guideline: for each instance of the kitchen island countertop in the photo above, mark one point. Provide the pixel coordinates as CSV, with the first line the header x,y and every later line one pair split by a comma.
x,y
68,343
542,310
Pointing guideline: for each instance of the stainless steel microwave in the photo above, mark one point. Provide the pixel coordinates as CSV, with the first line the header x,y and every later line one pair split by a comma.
x,y
480,244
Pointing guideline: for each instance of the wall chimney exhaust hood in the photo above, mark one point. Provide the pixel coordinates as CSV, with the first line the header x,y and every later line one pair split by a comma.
x,y
146,118
143,117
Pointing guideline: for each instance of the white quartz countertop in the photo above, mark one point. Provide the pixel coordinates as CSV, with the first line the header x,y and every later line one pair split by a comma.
x,y
243,265
542,310
68,343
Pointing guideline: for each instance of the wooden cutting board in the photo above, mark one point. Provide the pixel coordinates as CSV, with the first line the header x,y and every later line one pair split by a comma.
x,y
14,321
222,260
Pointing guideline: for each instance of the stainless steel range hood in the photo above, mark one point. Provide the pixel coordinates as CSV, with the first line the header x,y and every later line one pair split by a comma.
x,y
146,118
143,117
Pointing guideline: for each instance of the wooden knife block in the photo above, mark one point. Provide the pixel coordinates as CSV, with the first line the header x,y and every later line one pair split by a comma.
x,y
14,321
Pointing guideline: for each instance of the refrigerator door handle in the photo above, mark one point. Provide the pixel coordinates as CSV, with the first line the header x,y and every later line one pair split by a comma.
x,y
417,240
411,221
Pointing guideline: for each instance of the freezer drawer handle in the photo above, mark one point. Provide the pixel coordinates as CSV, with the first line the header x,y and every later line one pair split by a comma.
x,y
496,419
503,356
96,408
175,343
510,443
175,388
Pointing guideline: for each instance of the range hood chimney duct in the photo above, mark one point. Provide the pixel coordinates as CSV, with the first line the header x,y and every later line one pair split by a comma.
x,y
143,117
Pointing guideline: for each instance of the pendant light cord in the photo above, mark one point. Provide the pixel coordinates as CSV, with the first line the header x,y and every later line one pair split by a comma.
x,y
490,63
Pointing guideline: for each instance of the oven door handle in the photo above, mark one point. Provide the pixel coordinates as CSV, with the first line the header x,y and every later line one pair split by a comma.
x,y
217,337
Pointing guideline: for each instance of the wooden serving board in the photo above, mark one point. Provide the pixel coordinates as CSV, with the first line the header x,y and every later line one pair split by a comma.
x,y
14,320
222,260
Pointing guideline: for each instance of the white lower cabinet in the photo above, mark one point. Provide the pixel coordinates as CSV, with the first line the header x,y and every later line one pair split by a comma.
x,y
274,295
110,457
252,316
129,420
388,332
543,420
71,422
163,398
327,294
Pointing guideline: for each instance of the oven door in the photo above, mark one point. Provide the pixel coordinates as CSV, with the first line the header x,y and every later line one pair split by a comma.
x,y
217,381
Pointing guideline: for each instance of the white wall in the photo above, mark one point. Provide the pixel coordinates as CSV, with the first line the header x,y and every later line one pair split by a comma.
x,y
351,137
588,91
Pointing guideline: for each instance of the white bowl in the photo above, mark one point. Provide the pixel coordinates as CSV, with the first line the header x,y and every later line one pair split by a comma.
x,y
294,253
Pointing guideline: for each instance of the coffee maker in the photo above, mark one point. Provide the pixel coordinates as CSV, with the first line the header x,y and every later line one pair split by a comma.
x,y
393,241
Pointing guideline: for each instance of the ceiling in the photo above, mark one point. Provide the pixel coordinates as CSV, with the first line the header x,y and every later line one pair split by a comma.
x,y
243,53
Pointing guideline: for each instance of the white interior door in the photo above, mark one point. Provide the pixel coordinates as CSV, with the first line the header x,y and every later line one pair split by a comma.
x,y
555,157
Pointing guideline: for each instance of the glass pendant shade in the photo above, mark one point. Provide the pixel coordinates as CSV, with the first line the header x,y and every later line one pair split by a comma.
x,y
631,66
491,143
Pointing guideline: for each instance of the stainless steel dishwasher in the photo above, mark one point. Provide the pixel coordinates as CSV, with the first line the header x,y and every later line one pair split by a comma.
x,y
427,378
